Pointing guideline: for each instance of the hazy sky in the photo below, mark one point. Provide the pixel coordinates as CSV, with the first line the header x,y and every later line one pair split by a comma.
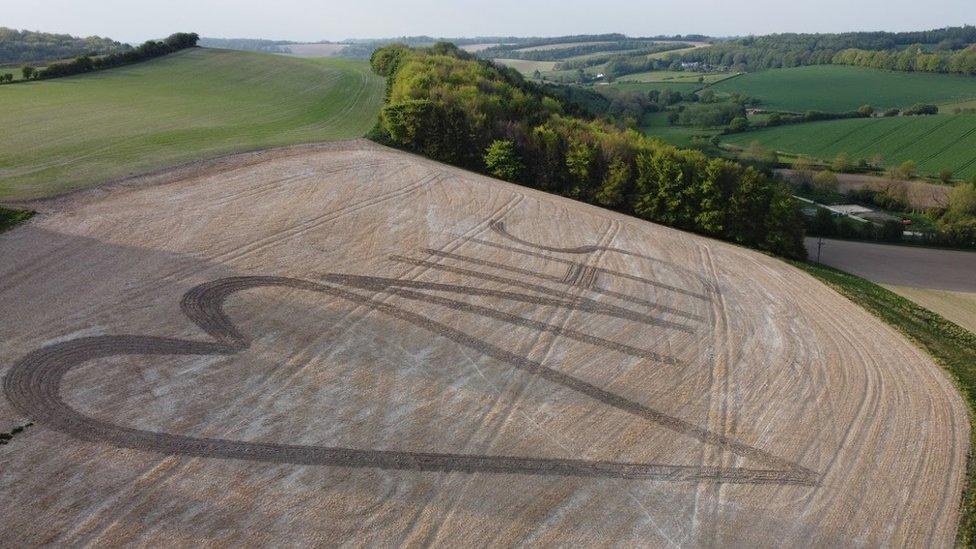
x,y
132,21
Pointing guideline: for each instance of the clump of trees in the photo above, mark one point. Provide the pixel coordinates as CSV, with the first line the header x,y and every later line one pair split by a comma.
x,y
948,51
447,105
957,225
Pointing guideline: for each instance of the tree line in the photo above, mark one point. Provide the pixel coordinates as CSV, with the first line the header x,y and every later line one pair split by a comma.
x,y
912,59
446,104
85,63
793,50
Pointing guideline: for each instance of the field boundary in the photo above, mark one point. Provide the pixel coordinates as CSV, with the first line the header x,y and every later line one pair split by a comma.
x,y
950,346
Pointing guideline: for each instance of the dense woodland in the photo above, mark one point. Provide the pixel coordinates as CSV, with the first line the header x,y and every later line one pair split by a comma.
x,y
449,106
941,50
17,47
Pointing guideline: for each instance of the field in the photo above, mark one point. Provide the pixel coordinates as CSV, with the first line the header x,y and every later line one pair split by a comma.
x,y
934,142
18,75
644,87
836,88
345,343
689,77
954,348
527,67
74,132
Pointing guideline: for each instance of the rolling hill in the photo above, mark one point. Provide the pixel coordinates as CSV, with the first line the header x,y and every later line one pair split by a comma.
x,y
79,131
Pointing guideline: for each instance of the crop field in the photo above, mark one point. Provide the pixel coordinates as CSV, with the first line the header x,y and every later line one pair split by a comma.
x,y
835,88
935,142
347,343
78,131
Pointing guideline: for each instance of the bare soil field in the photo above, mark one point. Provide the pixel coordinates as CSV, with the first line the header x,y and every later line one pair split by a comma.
x,y
475,48
346,343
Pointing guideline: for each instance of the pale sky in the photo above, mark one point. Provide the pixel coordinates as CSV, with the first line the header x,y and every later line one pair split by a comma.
x,y
133,21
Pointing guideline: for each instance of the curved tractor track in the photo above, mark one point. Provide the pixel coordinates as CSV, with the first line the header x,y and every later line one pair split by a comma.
x,y
33,386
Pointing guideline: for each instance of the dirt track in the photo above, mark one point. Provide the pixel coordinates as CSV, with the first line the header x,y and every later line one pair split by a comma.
x,y
346,343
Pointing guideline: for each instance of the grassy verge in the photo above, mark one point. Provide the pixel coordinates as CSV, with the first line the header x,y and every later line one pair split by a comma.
x,y
11,218
951,346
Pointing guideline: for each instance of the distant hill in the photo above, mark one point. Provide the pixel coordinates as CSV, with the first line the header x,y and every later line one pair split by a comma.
x,y
18,47
247,44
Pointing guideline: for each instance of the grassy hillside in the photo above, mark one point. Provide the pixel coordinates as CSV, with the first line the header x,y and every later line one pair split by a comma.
x,y
841,88
934,142
79,131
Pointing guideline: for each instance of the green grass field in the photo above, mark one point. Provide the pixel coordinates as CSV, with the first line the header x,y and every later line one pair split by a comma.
x,y
836,88
934,142
74,132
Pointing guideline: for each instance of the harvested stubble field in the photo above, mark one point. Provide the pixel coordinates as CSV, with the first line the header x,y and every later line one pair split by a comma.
x,y
343,342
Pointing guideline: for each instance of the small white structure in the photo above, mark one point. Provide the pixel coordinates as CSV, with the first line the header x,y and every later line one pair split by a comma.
x,y
849,209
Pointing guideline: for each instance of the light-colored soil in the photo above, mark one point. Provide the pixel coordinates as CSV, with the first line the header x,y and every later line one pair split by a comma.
x,y
316,50
958,307
921,194
563,45
474,48
928,268
525,66
345,343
